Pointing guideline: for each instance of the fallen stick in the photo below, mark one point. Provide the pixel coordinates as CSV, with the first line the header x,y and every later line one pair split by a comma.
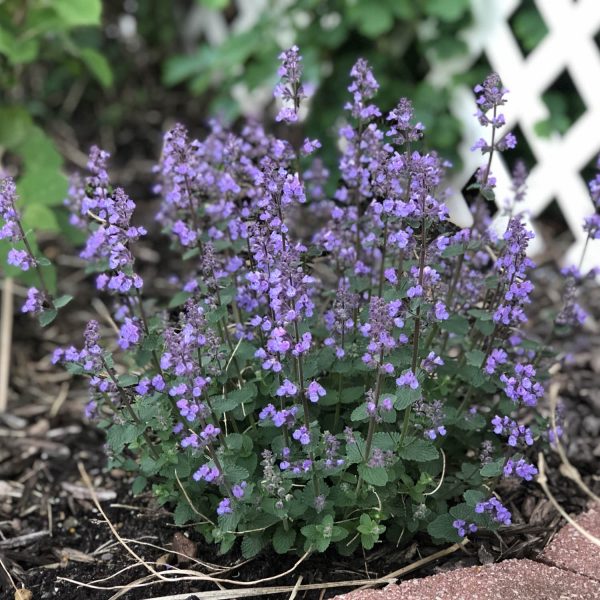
x,y
6,321
23,540
264,591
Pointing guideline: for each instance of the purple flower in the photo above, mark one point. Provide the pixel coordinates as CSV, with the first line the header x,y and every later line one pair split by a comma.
x,y
363,88
402,130
129,334
431,361
314,391
521,386
287,388
206,473
461,527
521,468
498,512
238,489
143,386
415,291
387,404
491,95
107,213
20,259
210,433
310,146
158,383
302,435
35,301
224,507
498,356
11,229
290,89
441,313
408,378
512,430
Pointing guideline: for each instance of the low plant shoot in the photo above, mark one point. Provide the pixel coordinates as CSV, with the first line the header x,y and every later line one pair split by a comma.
x,y
338,363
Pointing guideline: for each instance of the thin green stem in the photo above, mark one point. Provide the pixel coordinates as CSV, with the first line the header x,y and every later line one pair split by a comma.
x,y
127,402
38,268
372,421
417,331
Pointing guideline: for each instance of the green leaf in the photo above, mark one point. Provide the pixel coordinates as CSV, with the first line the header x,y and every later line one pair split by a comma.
x,y
62,300
493,469
118,436
446,10
486,327
234,472
359,413
441,529
183,513
370,531
78,12
18,50
14,125
214,4
127,380
456,324
372,19
235,398
463,511
47,317
39,217
473,497
98,65
190,253
529,27
283,540
405,397
419,450
483,315
475,358
179,299
252,544
455,250
214,316
74,368
352,394
376,476
138,485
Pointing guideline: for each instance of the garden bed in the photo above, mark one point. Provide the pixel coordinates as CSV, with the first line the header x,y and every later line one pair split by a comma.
x,y
51,530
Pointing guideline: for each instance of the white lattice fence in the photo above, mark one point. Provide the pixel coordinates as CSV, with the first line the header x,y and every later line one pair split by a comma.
x,y
569,44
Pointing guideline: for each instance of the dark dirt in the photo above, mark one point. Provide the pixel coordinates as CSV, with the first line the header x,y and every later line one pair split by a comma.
x,y
43,437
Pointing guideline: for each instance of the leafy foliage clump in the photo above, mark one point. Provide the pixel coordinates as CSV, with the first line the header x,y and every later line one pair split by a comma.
x,y
329,370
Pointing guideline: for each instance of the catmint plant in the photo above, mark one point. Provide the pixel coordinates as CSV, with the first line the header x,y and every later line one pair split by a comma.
x,y
337,361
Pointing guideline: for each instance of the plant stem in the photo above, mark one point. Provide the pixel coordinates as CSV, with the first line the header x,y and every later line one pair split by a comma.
x,y
38,268
372,422
416,335
382,265
127,401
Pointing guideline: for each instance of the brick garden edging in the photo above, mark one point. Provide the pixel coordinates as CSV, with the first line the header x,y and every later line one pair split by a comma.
x,y
568,569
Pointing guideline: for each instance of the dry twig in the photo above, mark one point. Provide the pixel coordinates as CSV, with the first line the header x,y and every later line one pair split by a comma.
x,y
543,481
568,469
5,340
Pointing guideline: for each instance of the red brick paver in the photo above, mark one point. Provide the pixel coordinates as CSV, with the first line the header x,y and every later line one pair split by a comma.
x,y
568,569
508,580
572,551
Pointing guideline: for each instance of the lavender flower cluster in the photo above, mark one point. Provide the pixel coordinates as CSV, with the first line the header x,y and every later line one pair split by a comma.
x,y
332,343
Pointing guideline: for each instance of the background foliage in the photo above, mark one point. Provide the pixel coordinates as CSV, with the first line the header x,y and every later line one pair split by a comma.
x,y
118,72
